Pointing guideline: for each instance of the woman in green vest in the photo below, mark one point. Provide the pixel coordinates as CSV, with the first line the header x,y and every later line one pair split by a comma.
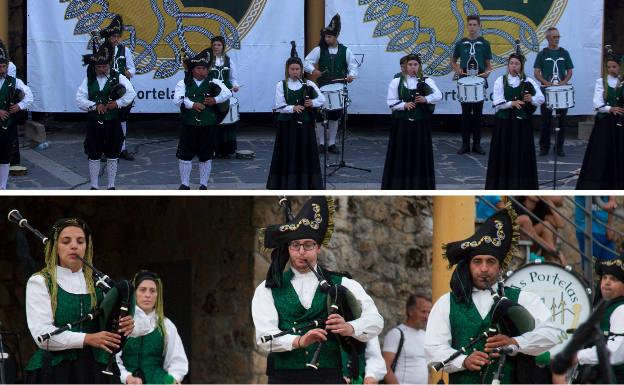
x,y
157,357
465,312
293,297
224,69
63,293
295,163
409,159
512,163
604,157
611,288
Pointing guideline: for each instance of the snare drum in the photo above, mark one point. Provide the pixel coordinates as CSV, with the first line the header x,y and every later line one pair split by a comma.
x,y
333,96
232,115
564,293
559,97
471,89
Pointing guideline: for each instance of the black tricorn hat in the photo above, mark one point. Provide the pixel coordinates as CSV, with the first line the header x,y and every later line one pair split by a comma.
x,y
115,27
333,28
4,53
615,267
104,55
497,236
201,59
314,221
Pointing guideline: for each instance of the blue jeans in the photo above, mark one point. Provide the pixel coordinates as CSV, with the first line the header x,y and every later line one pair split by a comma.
x,y
599,252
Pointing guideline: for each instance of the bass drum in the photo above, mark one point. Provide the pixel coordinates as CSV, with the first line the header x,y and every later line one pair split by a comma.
x,y
564,292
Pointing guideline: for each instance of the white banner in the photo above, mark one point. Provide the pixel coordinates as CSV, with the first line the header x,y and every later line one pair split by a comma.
x,y
386,31
258,35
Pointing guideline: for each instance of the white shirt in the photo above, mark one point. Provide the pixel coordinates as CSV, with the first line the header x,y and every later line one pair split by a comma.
x,y
599,101
375,364
411,82
411,365
39,310
294,85
498,97
28,95
438,335
129,61
179,95
219,60
176,363
615,345
314,56
265,316
82,95
12,70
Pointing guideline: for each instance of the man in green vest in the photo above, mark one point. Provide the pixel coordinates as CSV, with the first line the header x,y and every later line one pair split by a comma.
x,y
9,87
198,96
553,67
611,284
288,300
466,312
123,62
102,94
335,62
475,56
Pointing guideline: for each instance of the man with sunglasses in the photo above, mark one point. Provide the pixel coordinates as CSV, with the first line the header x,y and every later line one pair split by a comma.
x,y
288,299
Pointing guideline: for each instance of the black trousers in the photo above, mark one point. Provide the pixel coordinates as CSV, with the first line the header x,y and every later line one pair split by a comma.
x,y
546,129
8,137
471,123
197,141
103,139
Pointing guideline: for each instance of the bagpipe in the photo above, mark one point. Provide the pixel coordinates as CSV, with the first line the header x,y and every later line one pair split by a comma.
x,y
220,109
508,318
342,301
15,96
423,89
118,301
526,87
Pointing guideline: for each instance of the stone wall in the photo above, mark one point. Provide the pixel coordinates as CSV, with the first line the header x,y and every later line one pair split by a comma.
x,y
384,242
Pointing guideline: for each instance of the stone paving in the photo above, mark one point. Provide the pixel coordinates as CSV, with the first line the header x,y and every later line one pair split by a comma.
x,y
64,165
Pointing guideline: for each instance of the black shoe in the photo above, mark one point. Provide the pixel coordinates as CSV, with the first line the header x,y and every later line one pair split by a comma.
x,y
184,187
111,188
126,155
202,187
477,149
543,152
333,149
463,150
561,153
93,188
321,149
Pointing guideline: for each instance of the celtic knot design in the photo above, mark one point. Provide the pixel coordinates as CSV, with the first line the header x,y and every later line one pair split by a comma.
x,y
91,14
404,31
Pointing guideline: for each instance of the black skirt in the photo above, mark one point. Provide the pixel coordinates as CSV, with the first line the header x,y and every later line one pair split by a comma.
x,y
409,159
84,370
603,167
295,164
512,164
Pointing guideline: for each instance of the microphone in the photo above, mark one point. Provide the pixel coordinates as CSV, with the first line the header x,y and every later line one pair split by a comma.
x,y
510,350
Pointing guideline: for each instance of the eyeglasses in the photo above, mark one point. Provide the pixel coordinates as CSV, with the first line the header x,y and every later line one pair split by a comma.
x,y
307,246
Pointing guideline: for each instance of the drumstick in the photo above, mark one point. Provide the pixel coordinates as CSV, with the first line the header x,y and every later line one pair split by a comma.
x,y
486,72
577,315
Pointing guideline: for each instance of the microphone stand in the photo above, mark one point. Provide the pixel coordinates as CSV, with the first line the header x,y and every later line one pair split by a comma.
x,y
2,359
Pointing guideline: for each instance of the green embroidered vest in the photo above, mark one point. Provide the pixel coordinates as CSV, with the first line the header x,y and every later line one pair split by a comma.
x,y
121,60
511,94
222,72
6,91
466,323
297,98
102,96
147,353
70,308
407,95
291,313
335,65
197,94
615,98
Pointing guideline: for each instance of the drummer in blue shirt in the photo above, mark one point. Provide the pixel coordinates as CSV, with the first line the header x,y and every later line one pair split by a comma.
x,y
475,45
